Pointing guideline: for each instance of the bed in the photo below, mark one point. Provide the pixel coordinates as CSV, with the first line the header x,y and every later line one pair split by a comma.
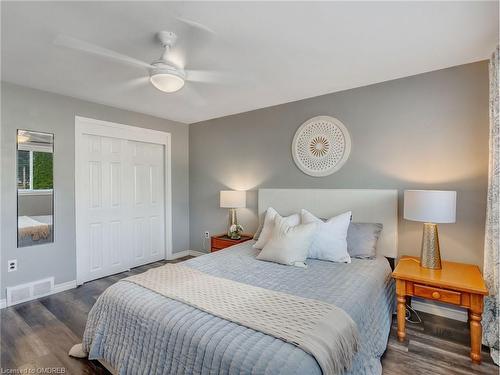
x,y
133,330
33,230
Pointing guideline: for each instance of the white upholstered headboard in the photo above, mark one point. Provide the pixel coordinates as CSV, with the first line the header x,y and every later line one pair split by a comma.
x,y
367,206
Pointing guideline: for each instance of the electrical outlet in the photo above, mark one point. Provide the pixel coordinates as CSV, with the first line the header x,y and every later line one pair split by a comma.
x,y
12,265
207,234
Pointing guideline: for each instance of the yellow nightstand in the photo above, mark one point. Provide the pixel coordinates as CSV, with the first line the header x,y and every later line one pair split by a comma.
x,y
456,283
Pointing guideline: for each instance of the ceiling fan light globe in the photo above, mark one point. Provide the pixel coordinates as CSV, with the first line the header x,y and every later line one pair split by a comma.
x,y
167,82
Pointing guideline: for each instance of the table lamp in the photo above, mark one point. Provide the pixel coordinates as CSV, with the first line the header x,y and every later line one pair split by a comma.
x,y
232,199
431,207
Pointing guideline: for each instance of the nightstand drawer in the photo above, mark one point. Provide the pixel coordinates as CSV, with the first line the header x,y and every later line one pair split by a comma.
x,y
437,294
221,243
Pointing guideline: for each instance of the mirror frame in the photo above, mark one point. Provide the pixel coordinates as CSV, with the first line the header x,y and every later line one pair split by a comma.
x,y
53,190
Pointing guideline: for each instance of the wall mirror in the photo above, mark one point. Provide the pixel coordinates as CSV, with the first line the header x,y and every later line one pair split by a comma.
x,y
35,188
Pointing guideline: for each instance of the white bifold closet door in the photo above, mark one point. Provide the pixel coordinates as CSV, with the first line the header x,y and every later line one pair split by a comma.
x,y
122,223
147,208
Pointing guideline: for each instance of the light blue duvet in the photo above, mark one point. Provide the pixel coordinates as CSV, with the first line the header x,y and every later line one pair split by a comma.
x,y
138,331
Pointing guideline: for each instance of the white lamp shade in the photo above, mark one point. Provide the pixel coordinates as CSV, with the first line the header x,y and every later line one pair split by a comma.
x,y
233,199
431,206
167,82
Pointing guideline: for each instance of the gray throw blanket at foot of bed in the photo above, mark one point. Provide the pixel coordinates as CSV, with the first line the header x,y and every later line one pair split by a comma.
x,y
320,329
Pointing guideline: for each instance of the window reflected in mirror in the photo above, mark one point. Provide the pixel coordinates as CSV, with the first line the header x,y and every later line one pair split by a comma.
x,y
35,188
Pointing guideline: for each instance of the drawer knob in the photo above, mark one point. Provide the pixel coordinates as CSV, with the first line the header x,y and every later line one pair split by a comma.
x,y
436,295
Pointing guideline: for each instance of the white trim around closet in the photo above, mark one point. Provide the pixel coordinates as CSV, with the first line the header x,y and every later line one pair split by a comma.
x,y
85,125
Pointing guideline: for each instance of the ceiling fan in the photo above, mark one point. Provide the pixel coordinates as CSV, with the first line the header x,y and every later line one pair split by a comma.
x,y
164,74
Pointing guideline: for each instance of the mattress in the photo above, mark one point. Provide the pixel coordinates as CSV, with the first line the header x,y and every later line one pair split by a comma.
x,y
137,331
46,219
32,230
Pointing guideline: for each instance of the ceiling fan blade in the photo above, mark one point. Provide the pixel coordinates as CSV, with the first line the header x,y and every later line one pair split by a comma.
x,y
192,37
135,83
207,76
195,25
80,45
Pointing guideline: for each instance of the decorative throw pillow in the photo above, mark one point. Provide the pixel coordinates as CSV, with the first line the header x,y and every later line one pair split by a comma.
x,y
268,227
362,239
330,241
261,225
289,244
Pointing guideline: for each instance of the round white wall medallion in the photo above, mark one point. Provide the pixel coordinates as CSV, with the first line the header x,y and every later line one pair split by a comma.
x,y
321,146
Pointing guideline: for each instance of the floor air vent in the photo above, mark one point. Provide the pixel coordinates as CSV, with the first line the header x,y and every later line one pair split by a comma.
x,y
25,292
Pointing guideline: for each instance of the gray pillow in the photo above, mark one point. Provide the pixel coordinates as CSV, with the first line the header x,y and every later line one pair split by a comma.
x,y
362,239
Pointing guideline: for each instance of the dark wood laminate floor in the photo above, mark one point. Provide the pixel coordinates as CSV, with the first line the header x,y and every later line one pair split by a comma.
x,y
38,334
434,347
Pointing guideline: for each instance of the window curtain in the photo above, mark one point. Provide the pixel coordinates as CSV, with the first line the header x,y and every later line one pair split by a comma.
x,y
491,246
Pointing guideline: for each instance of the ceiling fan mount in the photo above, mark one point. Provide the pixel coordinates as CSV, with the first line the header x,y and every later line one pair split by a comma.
x,y
166,38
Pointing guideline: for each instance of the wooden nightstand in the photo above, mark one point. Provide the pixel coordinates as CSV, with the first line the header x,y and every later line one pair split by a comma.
x,y
222,241
456,283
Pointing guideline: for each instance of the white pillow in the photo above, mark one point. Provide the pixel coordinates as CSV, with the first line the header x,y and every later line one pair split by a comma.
x,y
330,241
289,244
267,229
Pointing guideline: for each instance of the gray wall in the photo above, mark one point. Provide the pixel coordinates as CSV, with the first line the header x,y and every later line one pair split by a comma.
x,y
423,132
428,131
31,109
34,205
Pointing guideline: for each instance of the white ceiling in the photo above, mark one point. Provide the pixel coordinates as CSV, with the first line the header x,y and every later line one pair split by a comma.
x,y
276,52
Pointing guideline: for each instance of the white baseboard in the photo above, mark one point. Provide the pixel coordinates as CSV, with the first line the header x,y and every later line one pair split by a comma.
x,y
64,286
439,309
185,253
195,253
